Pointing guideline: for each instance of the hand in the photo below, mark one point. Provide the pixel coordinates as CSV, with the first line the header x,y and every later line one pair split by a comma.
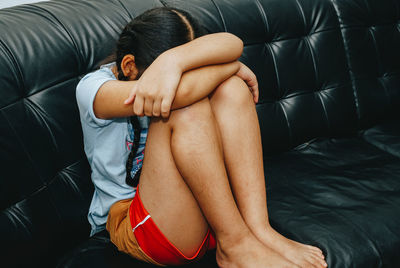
x,y
155,90
251,80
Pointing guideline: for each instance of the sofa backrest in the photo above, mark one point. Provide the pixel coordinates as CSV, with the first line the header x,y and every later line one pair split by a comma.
x,y
297,51
371,32
45,187
295,47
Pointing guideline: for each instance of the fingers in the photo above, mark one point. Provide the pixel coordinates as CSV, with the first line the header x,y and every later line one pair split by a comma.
x,y
131,96
251,80
157,107
155,100
148,106
130,99
256,93
253,85
138,106
166,107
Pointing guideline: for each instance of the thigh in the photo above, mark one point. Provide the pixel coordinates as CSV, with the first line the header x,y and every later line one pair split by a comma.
x,y
165,194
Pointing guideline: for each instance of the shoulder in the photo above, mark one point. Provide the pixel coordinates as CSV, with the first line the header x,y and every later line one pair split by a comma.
x,y
103,73
91,82
87,89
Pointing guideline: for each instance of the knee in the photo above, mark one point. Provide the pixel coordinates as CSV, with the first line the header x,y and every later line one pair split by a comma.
x,y
193,114
233,92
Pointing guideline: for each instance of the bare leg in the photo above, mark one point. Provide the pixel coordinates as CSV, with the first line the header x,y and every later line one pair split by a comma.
x,y
235,113
184,171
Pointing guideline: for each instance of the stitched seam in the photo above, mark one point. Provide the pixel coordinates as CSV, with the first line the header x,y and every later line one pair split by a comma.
x,y
385,89
80,59
378,55
376,51
292,38
124,7
45,185
220,14
348,63
300,94
367,26
39,112
22,145
16,64
300,9
325,112
37,92
264,17
269,49
287,123
314,59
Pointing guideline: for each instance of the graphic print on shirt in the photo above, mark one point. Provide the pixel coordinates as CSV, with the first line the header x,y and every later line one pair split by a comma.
x,y
129,143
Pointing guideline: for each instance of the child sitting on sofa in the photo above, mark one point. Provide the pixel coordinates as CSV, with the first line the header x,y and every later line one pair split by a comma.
x,y
173,118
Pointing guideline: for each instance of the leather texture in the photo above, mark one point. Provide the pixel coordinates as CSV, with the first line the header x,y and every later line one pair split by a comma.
x,y
371,35
329,75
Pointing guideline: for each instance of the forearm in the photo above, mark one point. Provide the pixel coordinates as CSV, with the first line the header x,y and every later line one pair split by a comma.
x,y
207,50
194,86
199,83
109,100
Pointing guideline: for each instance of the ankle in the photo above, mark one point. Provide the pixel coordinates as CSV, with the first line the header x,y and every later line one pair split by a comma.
x,y
266,234
261,228
227,243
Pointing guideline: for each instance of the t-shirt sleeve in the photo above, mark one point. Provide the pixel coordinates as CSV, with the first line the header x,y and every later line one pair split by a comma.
x,y
86,91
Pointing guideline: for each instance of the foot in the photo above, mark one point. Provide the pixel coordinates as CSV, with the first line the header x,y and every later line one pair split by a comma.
x,y
250,252
300,254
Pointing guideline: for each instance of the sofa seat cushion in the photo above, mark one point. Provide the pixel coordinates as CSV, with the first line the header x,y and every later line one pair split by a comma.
x,y
385,136
342,195
99,252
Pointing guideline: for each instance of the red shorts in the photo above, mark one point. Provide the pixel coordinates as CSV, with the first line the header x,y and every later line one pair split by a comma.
x,y
152,241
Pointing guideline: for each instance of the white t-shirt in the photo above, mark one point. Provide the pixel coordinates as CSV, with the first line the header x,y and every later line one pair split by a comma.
x,y
107,146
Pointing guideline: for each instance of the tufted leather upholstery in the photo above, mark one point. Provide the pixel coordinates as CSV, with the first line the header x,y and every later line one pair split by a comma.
x,y
329,74
371,35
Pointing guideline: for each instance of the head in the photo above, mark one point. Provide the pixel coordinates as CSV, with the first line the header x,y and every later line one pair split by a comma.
x,y
149,35
140,43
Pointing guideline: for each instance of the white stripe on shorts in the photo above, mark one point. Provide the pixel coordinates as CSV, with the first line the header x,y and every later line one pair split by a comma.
x,y
142,222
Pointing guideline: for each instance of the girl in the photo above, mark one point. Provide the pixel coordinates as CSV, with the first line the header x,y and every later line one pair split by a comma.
x,y
180,94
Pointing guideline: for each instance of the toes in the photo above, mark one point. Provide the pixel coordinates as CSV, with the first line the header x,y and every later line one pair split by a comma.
x,y
318,262
318,254
314,248
309,264
316,251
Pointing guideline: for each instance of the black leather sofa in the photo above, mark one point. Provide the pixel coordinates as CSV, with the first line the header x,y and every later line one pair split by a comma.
x,y
329,74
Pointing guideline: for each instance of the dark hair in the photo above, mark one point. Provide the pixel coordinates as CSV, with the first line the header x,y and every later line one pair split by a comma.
x,y
146,37
153,32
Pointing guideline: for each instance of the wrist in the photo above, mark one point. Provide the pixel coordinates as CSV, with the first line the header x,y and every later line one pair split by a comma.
x,y
172,59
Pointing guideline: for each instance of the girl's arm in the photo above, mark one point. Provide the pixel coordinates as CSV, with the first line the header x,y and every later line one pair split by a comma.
x,y
207,50
157,86
194,86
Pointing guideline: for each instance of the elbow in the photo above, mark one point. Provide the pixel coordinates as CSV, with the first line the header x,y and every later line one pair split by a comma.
x,y
237,45
184,92
97,111
182,96
98,114
240,46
